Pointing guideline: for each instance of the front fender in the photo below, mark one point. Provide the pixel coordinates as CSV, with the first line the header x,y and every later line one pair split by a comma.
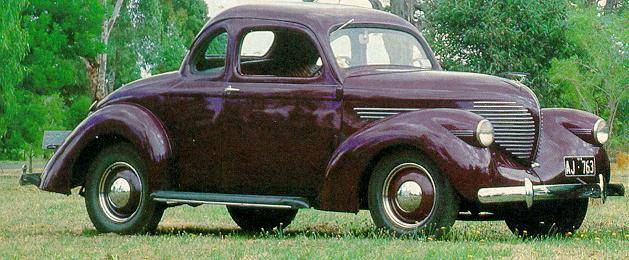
x,y
120,122
567,132
428,131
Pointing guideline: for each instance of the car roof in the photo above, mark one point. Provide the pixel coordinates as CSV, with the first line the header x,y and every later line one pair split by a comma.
x,y
316,16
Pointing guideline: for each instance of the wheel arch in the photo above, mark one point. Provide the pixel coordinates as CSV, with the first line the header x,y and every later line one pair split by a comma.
x,y
112,124
428,132
371,165
88,154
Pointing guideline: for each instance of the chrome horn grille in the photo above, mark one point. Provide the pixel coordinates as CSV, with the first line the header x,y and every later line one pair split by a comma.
x,y
514,127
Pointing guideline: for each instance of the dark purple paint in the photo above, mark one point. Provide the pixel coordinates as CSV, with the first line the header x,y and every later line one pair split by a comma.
x,y
302,137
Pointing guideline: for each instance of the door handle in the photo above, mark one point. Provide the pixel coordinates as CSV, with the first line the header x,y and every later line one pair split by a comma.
x,y
229,89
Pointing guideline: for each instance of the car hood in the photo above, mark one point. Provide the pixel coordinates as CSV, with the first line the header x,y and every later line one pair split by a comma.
x,y
509,105
440,85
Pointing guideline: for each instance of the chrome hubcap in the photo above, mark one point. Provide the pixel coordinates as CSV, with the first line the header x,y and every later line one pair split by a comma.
x,y
409,196
119,193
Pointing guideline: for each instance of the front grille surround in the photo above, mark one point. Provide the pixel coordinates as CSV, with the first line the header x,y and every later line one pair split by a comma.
x,y
514,126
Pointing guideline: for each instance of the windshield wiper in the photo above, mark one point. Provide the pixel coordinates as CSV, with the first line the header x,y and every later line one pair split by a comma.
x,y
343,26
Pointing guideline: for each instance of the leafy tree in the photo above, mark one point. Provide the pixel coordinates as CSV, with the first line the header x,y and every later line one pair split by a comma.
x,y
152,37
12,50
594,77
496,36
41,50
60,32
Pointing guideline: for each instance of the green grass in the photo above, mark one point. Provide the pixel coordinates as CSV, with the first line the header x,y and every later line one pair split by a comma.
x,y
36,224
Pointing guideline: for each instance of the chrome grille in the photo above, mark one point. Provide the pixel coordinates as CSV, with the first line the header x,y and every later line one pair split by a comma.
x,y
514,127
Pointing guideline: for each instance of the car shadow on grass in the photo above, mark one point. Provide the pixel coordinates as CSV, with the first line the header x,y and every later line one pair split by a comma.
x,y
275,233
327,232
315,233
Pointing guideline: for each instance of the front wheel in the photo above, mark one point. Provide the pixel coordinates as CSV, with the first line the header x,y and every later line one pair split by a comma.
x,y
548,218
117,193
408,195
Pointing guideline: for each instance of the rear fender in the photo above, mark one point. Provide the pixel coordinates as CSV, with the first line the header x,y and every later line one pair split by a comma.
x,y
115,123
431,132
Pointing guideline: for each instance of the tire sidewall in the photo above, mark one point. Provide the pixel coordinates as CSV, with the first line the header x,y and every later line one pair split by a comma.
x,y
137,223
445,204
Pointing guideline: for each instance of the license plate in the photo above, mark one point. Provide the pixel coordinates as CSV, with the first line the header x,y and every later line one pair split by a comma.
x,y
579,166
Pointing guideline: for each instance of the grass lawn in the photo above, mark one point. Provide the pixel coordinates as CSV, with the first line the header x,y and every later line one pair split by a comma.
x,y
36,224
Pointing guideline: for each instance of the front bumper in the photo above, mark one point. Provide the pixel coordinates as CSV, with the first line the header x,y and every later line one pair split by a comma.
x,y
29,178
530,193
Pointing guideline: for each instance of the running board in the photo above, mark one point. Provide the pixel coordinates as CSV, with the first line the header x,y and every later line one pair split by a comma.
x,y
260,201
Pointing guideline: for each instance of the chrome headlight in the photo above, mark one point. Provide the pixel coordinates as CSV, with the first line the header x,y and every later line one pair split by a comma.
x,y
484,133
600,131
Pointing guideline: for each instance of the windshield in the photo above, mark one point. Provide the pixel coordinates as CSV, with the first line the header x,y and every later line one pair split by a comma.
x,y
362,46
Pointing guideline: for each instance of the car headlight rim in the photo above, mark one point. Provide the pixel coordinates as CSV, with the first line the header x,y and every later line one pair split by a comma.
x,y
600,131
484,133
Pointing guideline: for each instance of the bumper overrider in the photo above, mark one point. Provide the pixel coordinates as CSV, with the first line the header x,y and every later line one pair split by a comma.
x,y
530,193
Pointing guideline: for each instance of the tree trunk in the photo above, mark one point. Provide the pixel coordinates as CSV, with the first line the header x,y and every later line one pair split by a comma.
x,y
376,4
97,69
404,9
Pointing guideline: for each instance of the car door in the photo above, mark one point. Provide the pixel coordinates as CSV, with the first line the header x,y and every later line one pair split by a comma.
x,y
282,123
195,108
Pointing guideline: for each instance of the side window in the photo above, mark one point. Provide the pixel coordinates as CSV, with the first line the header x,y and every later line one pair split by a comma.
x,y
257,44
280,53
210,57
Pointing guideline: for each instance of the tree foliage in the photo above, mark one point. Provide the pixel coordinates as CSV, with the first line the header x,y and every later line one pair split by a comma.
x,y
497,36
152,37
594,76
12,50
43,46
59,33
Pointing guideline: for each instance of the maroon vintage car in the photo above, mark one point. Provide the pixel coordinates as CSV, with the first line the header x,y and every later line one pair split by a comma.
x,y
284,107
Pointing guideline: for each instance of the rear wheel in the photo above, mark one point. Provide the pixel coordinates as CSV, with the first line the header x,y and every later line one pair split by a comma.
x,y
257,219
408,195
548,218
117,193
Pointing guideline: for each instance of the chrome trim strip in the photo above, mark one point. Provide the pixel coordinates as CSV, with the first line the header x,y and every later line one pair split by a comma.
x,y
515,130
384,109
463,133
184,201
380,112
516,145
497,110
373,117
497,106
532,138
530,119
507,141
494,102
376,113
505,115
580,130
513,134
527,123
